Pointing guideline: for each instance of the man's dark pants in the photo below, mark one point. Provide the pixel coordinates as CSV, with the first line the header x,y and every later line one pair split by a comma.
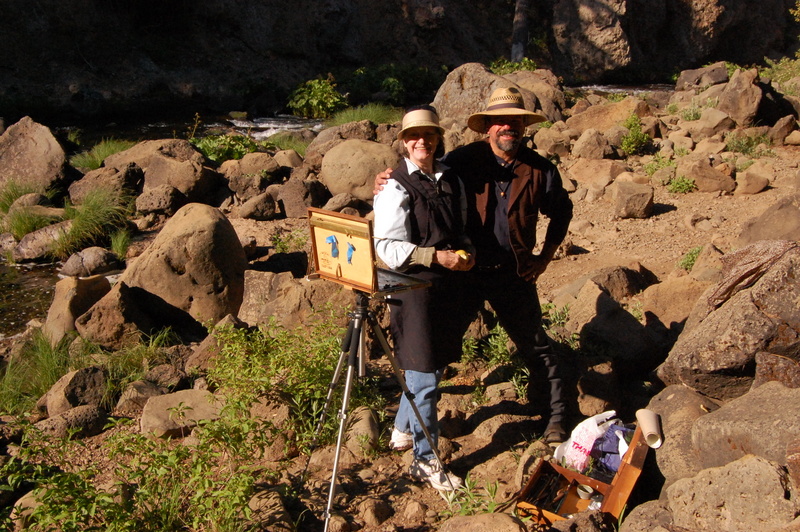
x,y
516,304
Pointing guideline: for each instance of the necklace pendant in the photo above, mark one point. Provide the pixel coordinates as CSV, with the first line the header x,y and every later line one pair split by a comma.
x,y
503,194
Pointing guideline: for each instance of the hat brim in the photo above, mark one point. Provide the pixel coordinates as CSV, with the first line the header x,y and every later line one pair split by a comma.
x,y
477,122
412,125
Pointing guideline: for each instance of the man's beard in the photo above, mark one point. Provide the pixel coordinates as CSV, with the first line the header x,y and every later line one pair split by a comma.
x,y
508,144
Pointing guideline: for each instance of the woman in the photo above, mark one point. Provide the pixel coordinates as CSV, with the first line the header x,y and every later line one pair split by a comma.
x,y
419,229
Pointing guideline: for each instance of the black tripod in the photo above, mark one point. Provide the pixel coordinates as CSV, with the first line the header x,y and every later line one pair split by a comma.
x,y
353,349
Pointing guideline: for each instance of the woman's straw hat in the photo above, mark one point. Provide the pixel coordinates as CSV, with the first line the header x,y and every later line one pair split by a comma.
x,y
420,118
504,102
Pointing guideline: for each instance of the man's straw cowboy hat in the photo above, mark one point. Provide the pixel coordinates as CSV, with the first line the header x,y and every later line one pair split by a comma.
x,y
503,102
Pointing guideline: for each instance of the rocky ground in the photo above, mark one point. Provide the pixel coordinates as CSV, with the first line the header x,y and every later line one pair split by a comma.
x,y
490,431
501,429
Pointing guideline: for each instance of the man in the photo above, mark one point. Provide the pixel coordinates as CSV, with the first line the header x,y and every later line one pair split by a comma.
x,y
508,186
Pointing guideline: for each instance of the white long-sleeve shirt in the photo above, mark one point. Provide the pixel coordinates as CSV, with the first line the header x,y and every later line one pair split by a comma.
x,y
392,226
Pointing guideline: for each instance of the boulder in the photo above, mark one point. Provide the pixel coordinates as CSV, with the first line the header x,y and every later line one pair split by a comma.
x,y
174,415
781,221
547,89
707,178
85,386
749,311
172,162
350,167
605,116
592,145
750,424
31,155
82,421
39,245
632,200
741,98
261,207
297,195
195,266
90,261
330,137
712,122
252,174
701,78
486,522
292,301
162,199
125,181
72,297
745,495
135,395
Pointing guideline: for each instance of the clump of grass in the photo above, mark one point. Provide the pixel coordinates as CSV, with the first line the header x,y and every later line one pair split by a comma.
x,y
285,141
12,190
658,162
101,213
287,241
120,242
23,221
93,158
681,185
33,373
687,261
749,145
377,113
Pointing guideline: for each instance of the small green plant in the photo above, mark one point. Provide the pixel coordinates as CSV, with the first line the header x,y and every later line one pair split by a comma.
x,y
469,349
671,108
749,145
469,500
658,162
316,98
520,380
555,317
689,258
221,148
616,97
636,141
681,185
502,66
496,347
374,112
93,158
102,213
288,241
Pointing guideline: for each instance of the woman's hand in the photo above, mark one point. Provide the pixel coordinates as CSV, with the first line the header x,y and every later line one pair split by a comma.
x,y
456,261
380,180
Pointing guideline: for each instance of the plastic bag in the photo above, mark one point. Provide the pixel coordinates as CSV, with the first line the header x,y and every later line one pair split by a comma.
x,y
576,450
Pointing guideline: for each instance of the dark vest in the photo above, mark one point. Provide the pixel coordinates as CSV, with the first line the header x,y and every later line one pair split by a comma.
x,y
436,209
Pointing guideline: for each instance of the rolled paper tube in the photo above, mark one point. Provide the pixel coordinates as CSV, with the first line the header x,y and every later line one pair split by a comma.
x,y
650,424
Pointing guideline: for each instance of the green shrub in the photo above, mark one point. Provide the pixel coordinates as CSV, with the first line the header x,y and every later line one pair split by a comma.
x,y
503,66
316,98
101,214
221,148
93,158
636,141
681,185
374,112
748,144
688,260
287,241
398,85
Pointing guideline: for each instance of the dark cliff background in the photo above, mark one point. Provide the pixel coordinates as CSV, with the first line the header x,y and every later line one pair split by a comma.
x,y
95,59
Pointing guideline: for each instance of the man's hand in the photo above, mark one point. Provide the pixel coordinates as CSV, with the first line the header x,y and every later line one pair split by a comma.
x,y
380,180
538,264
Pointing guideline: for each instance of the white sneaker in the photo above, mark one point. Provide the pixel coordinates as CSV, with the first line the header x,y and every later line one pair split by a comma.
x,y
431,472
401,441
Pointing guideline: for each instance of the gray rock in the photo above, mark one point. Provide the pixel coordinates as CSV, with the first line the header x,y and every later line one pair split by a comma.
x,y
91,261
176,414
72,298
350,167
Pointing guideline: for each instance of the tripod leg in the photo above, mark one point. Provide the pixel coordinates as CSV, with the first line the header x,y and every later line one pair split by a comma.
x,y
410,396
356,346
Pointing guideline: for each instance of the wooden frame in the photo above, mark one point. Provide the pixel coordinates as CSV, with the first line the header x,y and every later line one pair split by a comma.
x,y
342,249
615,495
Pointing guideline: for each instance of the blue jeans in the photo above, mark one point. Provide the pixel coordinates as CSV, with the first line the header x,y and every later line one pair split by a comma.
x,y
425,388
